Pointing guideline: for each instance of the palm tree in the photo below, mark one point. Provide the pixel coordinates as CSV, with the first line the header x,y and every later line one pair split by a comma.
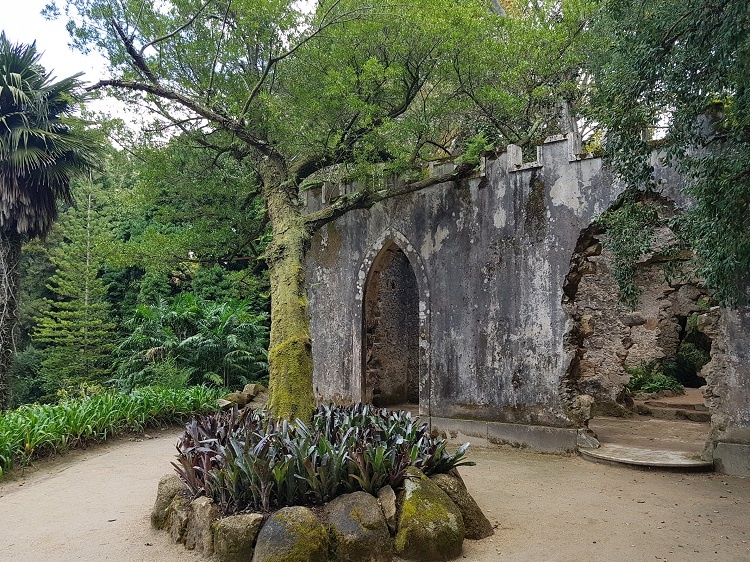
x,y
40,151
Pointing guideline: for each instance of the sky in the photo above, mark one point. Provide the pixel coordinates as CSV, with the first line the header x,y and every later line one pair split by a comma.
x,y
23,23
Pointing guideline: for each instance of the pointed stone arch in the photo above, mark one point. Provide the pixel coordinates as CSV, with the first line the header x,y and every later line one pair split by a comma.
x,y
394,253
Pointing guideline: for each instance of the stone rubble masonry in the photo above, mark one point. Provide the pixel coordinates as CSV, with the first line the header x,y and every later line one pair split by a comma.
x,y
499,336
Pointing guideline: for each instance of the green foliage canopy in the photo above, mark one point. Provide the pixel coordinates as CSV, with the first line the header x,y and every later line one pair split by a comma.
x,y
683,68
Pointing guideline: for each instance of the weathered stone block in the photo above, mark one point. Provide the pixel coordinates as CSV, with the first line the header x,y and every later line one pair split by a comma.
x,y
234,537
224,404
633,319
169,486
239,398
580,409
199,533
252,390
476,525
387,500
732,458
177,517
587,439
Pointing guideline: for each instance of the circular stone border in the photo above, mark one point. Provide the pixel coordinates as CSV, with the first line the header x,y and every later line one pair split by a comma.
x,y
426,521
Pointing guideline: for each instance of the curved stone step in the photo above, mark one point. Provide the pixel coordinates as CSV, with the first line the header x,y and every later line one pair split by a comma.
x,y
700,407
646,459
673,413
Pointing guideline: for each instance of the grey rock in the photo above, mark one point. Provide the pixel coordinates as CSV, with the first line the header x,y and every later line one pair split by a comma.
x,y
292,534
476,525
239,398
387,500
169,486
253,389
633,319
235,536
580,409
358,529
259,402
224,404
199,533
430,525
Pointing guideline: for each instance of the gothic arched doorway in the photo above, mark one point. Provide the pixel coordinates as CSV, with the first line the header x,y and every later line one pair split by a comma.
x,y
390,347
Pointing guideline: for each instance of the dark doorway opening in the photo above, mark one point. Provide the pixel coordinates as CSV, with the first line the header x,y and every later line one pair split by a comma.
x,y
391,331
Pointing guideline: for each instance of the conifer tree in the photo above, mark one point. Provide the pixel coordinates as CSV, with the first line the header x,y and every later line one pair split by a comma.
x,y
78,330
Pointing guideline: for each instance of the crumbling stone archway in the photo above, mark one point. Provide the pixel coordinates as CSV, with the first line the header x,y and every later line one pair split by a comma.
x,y
391,329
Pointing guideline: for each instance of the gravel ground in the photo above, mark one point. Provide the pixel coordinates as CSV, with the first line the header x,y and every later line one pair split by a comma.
x,y
94,505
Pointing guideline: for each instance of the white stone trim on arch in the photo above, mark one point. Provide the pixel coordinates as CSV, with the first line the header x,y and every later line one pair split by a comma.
x,y
383,241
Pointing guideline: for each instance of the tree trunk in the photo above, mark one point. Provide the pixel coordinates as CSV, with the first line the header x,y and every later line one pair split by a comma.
x,y
290,350
10,254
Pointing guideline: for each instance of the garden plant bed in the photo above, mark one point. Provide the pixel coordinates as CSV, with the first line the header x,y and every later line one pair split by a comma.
x,y
358,484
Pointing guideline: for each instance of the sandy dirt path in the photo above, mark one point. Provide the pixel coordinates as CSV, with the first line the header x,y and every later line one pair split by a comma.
x,y
94,506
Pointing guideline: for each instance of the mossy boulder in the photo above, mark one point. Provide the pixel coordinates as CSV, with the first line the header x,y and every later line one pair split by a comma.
x,y
358,529
169,486
234,537
199,534
430,525
253,389
476,525
292,534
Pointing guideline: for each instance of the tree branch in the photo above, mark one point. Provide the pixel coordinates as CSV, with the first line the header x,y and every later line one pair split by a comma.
x,y
176,31
137,57
232,125
216,54
345,17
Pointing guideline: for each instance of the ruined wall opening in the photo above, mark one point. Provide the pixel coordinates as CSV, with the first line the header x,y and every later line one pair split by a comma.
x,y
391,331
612,346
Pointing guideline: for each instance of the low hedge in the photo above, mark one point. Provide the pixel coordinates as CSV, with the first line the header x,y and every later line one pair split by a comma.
x,y
36,430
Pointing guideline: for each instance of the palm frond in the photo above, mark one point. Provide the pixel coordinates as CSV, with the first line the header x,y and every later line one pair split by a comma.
x,y
42,147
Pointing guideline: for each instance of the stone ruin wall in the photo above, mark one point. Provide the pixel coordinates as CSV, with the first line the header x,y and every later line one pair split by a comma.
x,y
517,314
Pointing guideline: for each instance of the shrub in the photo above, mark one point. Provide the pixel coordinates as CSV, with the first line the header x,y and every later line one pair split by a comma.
x,y
188,338
32,431
685,366
250,461
649,377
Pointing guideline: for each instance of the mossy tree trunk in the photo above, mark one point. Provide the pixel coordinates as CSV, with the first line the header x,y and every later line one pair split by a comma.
x,y
10,254
290,350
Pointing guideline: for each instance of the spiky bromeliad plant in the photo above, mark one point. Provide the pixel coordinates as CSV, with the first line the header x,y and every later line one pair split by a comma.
x,y
251,461
40,151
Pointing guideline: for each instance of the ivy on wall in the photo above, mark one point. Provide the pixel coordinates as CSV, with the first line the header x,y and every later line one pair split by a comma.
x,y
630,233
